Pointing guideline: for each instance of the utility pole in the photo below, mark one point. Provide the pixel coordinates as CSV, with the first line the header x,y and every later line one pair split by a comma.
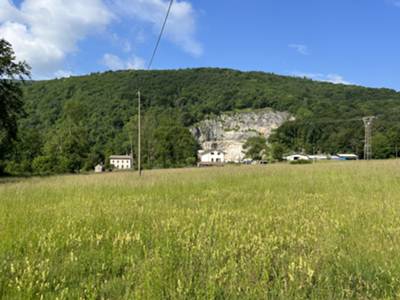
x,y
368,121
139,141
131,142
314,158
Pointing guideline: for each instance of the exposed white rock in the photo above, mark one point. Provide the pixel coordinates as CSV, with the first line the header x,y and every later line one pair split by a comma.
x,y
230,131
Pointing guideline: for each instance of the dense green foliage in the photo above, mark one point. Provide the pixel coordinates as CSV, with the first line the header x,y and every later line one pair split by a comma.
x,y
256,148
322,231
99,108
301,162
12,73
166,142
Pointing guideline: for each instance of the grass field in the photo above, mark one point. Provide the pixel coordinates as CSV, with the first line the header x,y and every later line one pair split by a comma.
x,y
323,231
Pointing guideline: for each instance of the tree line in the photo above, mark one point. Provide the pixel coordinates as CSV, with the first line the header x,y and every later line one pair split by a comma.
x,y
71,124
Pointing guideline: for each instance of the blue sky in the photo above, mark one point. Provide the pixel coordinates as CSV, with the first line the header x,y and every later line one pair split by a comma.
x,y
342,41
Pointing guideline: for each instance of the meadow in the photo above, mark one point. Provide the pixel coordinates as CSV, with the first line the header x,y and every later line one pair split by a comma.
x,y
321,231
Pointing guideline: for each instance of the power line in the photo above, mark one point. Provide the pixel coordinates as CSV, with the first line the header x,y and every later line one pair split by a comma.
x,y
326,121
384,119
148,68
161,34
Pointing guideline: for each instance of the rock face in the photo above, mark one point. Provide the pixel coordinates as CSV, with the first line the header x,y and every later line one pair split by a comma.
x,y
230,131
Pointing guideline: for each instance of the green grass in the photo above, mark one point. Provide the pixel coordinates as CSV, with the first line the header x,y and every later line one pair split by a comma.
x,y
322,231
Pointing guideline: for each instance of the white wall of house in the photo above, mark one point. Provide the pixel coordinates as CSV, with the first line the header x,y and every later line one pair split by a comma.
x,y
214,156
318,157
297,157
98,169
121,163
347,156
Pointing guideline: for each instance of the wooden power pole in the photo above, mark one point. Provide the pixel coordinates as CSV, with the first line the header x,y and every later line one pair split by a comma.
x,y
139,141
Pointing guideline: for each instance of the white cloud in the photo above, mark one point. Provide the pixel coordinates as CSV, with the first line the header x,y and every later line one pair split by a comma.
x,y
181,26
44,32
300,48
114,62
332,78
7,10
63,74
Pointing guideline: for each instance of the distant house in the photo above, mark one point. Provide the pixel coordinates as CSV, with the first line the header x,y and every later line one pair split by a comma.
x,y
247,161
318,157
98,168
295,157
347,156
334,157
121,162
211,157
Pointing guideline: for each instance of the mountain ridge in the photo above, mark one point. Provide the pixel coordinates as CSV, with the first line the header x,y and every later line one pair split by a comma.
x,y
103,105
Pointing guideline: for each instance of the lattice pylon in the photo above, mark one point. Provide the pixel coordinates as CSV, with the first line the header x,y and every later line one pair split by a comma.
x,y
368,121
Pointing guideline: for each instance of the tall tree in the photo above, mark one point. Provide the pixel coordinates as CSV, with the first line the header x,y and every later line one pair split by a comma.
x,y
67,147
12,74
256,147
165,141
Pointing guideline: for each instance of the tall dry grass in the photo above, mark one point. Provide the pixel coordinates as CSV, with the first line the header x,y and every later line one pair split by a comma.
x,y
323,231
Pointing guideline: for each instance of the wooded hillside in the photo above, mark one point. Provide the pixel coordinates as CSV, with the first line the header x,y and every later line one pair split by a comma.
x,y
74,123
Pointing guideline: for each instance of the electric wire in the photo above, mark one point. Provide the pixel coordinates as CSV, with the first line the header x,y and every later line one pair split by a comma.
x,y
148,68
309,122
160,36
333,121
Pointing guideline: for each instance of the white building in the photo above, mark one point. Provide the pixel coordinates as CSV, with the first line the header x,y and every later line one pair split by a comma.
x,y
211,157
318,157
344,156
98,168
121,162
295,157
334,157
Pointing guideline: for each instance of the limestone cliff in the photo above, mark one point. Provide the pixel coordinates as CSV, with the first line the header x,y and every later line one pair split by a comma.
x,y
230,131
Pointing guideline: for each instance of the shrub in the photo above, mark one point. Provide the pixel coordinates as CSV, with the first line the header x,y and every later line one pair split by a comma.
x,y
301,162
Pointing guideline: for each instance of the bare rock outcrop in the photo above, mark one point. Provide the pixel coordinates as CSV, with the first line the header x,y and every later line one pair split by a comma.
x,y
230,131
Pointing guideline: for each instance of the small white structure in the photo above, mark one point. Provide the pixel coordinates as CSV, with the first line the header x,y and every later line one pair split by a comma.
x,y
318,157
98,168
295,157
247,161
211,157
347,156
121,162
334,157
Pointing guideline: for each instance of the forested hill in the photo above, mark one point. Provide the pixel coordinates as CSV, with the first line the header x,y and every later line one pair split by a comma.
x,y
199,92
74,123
